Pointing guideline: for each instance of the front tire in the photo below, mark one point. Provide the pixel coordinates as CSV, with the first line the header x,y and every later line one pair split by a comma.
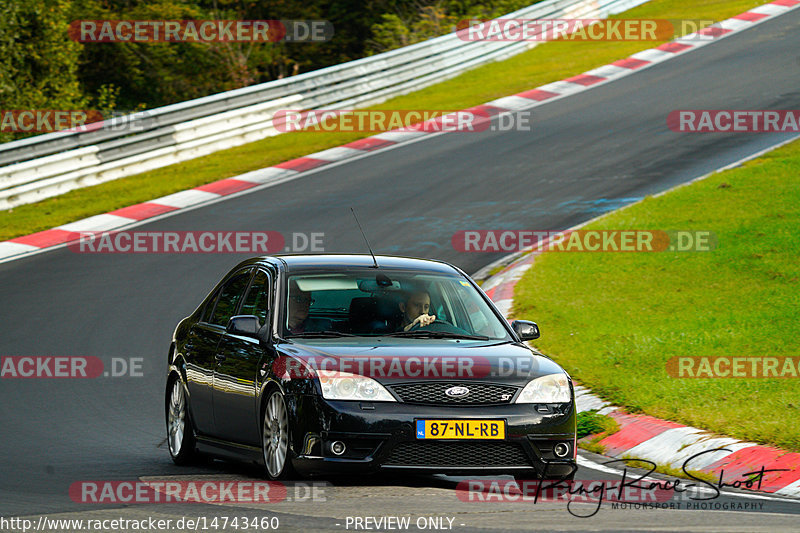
x,y
180,434
275,438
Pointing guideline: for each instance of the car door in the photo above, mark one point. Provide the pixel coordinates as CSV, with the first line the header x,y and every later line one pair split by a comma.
x,y
238,363
201,349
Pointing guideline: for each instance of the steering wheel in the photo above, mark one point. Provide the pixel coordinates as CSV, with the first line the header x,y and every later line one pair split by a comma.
x,y
438,325
418,326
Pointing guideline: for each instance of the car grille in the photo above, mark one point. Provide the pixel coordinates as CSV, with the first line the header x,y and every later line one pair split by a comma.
x,y
433,393
455,454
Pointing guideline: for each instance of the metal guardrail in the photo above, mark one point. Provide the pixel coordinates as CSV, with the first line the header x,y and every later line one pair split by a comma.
x,y
51,164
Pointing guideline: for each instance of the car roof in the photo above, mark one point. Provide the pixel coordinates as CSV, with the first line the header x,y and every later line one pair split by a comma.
x,y
311,261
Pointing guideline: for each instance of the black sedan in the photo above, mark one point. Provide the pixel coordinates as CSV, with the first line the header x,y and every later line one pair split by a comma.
x,y
323,364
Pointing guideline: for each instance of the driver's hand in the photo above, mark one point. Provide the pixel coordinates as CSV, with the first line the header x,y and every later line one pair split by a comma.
x,y
422,320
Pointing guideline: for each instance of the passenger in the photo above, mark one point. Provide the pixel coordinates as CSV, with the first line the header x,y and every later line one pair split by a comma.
x,y
415,310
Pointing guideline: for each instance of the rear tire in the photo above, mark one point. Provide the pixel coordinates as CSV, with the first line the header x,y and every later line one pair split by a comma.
x,y
275,438
180,433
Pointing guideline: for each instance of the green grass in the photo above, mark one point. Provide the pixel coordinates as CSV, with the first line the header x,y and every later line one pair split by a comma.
x,y
544,64
593,445
591,423
596,426
614,319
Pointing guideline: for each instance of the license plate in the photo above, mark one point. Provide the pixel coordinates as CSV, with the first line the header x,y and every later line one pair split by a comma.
x,y
461,429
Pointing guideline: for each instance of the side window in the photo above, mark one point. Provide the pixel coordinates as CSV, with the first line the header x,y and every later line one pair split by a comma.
x,y
206,315
456,296
439,304
257,300
229,297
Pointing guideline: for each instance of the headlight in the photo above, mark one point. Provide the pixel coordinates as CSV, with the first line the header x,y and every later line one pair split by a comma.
x,y
346,386
553,388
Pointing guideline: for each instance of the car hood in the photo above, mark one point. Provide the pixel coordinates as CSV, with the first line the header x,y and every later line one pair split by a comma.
x,y
405,361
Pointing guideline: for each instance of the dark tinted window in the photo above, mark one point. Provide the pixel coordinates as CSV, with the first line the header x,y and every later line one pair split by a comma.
x,y
257,300
361,302
206,315
229,298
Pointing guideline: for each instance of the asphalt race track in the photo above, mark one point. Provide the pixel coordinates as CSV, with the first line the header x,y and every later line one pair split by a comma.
x,y
587,154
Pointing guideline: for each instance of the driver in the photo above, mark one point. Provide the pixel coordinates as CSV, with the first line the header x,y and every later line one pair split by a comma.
x,y
415,310
298,320
299,302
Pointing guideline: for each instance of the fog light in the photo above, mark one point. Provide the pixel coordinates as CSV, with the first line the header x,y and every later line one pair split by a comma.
x,y
338,447
561,449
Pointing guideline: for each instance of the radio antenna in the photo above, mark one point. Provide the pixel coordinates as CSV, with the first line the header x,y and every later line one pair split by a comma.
x,y
365,238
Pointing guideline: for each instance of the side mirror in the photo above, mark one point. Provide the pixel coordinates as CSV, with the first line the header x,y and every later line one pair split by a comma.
x,y
244,325
525,329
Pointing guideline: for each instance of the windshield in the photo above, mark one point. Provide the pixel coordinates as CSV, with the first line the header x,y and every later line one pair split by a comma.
x,y
388,303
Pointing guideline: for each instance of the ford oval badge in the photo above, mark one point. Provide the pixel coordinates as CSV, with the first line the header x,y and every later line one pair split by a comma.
x,y
457,391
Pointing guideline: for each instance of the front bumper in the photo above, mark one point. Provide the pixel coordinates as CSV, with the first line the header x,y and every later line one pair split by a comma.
x,y
380,436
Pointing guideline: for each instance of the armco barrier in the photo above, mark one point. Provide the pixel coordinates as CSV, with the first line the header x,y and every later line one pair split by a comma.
x,y
51,164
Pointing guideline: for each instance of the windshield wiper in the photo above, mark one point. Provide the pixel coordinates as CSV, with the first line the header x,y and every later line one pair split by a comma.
x,y
422,334
325,333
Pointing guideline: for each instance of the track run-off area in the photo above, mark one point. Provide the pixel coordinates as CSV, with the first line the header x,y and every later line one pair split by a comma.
x,y
586,154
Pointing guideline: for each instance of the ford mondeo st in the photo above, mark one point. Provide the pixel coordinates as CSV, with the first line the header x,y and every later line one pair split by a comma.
x,y
320,364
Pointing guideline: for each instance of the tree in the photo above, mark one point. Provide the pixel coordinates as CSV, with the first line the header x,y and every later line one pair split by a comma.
x,y
40,66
